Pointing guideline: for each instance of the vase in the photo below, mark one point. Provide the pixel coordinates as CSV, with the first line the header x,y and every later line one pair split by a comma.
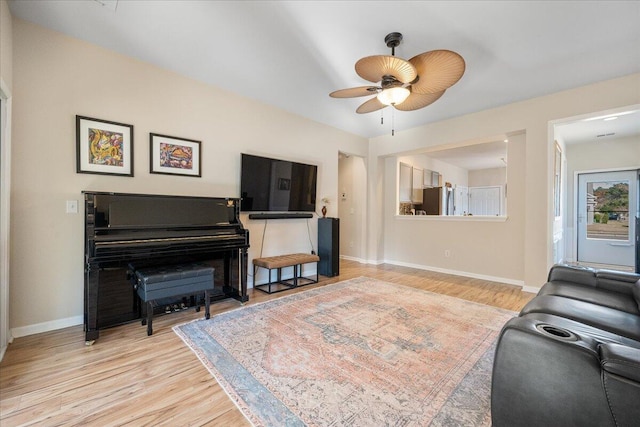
x,y
324,212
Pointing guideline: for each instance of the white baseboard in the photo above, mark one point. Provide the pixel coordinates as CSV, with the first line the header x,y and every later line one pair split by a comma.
x,y
362,260
514,282
3,350
356,259
52,325
530,289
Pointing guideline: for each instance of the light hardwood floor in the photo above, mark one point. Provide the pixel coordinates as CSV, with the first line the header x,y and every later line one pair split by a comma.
x,y
126,377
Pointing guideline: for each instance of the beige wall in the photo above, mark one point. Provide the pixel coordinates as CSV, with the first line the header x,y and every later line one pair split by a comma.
x,y
479,247
57,77
487,177
6,44
531,264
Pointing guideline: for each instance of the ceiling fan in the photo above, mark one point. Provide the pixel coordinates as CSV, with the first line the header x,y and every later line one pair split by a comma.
x,y
405,85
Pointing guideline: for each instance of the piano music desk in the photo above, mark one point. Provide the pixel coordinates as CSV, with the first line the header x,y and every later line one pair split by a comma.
x,y
153,283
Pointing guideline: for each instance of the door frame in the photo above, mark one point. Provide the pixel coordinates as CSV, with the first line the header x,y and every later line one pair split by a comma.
x,y
574,220
5,224
557,226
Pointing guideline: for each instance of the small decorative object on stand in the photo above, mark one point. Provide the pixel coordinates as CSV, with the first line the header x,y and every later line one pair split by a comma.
x,y
325,200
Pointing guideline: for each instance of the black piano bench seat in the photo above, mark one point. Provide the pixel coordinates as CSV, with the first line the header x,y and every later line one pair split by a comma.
x,y
153,283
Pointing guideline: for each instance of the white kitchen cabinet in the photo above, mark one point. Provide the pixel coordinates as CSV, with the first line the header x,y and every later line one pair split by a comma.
x,y
417,186
406,181
431,178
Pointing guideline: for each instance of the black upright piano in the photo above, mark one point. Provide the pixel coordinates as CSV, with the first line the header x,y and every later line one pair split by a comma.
x,y
152,230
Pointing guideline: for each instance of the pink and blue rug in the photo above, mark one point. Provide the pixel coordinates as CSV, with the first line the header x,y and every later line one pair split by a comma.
x,y
356,353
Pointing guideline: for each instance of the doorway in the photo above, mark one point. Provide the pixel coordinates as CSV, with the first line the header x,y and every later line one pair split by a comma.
x,y
352,202
607,209
591,146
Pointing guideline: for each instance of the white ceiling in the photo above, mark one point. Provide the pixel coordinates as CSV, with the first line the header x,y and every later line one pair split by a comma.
x,y
473,157
600,127
292,54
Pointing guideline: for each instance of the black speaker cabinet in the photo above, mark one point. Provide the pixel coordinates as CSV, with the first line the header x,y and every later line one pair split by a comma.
x,y
329,246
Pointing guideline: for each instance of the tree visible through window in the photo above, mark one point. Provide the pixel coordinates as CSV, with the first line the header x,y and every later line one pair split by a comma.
x,y
608,210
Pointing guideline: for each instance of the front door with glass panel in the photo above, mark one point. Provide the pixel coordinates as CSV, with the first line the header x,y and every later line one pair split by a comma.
x,y
607,208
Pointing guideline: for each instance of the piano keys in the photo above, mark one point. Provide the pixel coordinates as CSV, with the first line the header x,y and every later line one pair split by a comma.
x,y
153,230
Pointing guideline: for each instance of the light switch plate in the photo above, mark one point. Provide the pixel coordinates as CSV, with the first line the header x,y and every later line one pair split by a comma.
x,y
72,206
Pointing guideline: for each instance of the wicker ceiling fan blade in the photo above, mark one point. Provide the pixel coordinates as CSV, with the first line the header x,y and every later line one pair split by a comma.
x,y
437,70
415,101
369,106
355,92
374,68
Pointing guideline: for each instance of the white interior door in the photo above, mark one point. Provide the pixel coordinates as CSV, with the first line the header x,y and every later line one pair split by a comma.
x,y
484,201
461,201
607,207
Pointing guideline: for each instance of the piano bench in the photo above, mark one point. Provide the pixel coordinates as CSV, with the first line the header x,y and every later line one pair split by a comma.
x,y
278,263
153,283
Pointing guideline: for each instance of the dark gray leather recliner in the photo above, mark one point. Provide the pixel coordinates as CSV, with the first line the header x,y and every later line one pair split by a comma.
x,y
572,357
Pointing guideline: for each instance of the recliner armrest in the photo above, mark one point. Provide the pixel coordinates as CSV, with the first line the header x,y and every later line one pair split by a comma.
x,y
568,273
617,281
620,360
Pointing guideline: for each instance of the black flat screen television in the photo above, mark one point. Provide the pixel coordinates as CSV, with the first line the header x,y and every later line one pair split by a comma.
x,y
273,185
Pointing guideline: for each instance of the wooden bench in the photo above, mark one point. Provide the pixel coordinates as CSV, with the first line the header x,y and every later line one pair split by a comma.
x,y
153,283
283,261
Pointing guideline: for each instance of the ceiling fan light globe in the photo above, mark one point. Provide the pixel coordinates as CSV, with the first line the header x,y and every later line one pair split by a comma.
x,y
393,96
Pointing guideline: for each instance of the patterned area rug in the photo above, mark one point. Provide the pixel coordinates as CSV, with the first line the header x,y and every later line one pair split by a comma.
x,y
357,353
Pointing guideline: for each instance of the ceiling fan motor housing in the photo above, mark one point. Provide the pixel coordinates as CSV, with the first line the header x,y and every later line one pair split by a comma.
x,y
389,81
393,40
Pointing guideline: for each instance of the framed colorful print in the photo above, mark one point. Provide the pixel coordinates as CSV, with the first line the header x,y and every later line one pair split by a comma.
x,y
174,156
103,147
